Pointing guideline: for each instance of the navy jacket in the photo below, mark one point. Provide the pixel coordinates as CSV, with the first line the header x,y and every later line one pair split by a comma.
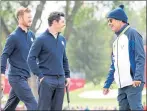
x,y
128,58
50,55
16,51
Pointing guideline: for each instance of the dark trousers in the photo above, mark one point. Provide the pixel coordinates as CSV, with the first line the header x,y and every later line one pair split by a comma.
x,y
20,91
130,98
51,93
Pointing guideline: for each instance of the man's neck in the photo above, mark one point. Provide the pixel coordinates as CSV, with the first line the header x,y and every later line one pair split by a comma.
x,y
120,27
53,31
23,28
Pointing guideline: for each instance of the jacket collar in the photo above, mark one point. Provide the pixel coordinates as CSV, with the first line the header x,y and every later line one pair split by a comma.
x,y
118,33
48,32
20,29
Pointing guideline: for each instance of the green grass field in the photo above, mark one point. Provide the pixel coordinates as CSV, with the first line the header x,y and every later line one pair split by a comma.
x,y
75,100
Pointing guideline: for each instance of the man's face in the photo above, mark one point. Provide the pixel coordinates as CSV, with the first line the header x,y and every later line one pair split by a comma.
x,y
60,24
26,19
114,24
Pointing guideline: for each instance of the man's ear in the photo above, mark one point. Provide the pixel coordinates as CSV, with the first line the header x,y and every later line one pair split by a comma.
x,y
20,18
55,22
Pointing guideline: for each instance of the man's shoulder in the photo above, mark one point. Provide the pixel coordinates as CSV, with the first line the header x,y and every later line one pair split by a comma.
x,y
41,37
62,37
132,30
12,35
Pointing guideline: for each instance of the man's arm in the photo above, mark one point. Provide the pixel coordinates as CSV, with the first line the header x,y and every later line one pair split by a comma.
x,y
66,67
110,77
32,57
7,51
139,58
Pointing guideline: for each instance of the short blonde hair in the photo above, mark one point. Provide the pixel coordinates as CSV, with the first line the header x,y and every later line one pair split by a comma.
x,y
21,11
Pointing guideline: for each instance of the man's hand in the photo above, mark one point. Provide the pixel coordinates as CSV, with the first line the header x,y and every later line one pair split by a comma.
x,y
105,91
2,81
67,82
136,83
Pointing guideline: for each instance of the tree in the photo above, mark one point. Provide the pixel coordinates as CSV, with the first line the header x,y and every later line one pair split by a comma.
x,y
70,15
88,47
8,11
142,23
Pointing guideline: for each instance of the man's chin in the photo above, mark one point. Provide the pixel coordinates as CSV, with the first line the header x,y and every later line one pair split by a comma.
x,y
112,29
28,26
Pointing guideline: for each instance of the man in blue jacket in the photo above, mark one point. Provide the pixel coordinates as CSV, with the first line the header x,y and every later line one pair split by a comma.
x,y
128,60
16,51
52,66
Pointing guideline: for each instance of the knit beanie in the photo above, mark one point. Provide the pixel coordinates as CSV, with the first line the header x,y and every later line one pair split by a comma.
x,y
118,14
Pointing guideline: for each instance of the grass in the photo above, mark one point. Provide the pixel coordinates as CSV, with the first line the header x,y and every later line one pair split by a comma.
x,y
75,100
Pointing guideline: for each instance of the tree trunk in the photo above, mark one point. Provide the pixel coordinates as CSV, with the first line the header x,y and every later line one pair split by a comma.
x,y
4,27
70,17
37,16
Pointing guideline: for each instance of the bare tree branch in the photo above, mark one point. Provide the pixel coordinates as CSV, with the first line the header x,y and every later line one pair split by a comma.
x,y
67,9
76,8
37,16
39,25
5,28
70,18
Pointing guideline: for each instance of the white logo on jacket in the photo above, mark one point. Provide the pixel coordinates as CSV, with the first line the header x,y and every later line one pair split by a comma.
x,y
32,39
63,43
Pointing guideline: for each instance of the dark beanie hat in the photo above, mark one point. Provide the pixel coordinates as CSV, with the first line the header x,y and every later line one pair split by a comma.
x,y
118,14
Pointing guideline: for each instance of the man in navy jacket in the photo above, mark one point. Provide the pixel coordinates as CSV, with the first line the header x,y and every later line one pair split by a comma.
x,y
47,59
128,60
16,51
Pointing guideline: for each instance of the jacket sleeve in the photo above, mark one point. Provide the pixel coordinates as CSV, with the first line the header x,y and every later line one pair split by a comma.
x,y
110,77
7,51
139,56
65,63
32,57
